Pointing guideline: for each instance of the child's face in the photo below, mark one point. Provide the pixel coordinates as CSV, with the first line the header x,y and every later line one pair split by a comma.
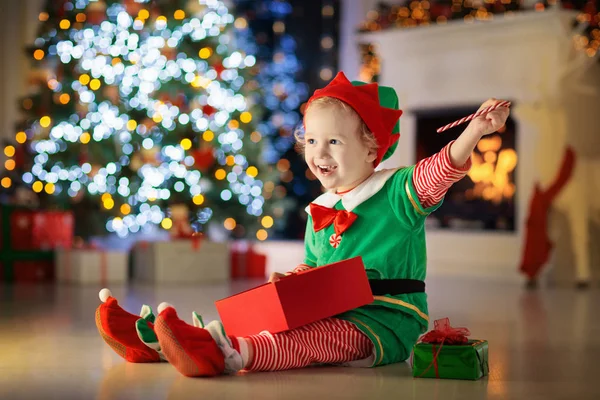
x,y
334,151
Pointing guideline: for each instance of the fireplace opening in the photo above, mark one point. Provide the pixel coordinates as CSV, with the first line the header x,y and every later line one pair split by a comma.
x,y
484,200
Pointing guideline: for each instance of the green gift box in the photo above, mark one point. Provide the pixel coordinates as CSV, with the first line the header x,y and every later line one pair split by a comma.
x,y
448,361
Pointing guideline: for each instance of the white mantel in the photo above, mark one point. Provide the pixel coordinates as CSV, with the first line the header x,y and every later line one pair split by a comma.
x,y
460,63
519,58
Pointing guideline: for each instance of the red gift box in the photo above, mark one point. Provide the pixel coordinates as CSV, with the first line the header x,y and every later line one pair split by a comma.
x,y
33,271
27,238
41,230
297,300
247,263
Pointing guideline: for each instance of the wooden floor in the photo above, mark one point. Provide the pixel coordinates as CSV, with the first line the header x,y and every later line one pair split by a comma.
x,y
543,345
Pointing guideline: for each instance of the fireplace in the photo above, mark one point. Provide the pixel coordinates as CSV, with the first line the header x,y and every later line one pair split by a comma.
x,y
485,199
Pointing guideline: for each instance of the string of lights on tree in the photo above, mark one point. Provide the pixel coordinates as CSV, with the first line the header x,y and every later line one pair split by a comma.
x,y
414,13
275,50
279,30
143,106
302,185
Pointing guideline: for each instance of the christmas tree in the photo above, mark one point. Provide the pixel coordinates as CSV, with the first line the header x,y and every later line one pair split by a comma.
x,y
145,112
276,48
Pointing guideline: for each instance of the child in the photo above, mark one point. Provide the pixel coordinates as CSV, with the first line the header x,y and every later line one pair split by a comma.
x,y
378,215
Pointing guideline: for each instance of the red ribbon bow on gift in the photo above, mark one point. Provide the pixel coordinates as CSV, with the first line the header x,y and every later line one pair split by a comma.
x,y
195,237
324,216
442,334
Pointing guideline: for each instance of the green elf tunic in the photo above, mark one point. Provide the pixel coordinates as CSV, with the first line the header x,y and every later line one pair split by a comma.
x,y
389,235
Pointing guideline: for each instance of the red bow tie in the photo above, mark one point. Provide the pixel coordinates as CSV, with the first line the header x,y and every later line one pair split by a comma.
x,y
324,216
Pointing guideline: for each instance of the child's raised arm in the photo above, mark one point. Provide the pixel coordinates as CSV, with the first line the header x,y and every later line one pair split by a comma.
x,y
433,176
484,125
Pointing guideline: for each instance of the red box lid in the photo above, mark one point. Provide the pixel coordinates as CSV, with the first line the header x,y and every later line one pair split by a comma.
x,y
297,300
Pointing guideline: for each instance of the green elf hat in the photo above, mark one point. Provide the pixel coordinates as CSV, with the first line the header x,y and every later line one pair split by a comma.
x,y
376,105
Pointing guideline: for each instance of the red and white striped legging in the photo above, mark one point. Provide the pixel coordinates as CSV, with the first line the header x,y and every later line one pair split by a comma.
x,y
328,341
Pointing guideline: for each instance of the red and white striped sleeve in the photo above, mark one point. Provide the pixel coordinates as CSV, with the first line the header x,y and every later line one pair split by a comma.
x,y
433,176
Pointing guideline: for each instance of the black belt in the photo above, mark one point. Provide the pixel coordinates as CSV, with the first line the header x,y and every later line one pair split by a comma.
x,y
381,287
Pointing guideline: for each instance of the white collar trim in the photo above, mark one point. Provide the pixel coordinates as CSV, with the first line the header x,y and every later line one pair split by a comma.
x,y
359,194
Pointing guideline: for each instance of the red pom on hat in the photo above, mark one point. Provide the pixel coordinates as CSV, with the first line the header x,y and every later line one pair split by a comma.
x,y
364,99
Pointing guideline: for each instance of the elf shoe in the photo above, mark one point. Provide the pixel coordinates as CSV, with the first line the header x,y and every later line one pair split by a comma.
x,y
192,349
120,330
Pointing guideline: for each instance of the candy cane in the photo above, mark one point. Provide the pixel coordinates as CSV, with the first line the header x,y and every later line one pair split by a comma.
x,y
477,114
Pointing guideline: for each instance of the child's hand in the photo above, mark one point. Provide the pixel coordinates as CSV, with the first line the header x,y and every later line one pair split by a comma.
x,y
490,122
275,276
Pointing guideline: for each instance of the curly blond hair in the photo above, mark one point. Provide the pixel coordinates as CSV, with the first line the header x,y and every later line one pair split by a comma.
x,y
326,102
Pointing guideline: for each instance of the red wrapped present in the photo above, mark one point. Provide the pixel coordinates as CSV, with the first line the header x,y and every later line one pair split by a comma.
x,y
256,266
27,238
32,271
40,230
247,263
283,305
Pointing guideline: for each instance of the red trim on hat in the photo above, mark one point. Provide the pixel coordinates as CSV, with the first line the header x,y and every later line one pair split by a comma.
x,y
364,100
